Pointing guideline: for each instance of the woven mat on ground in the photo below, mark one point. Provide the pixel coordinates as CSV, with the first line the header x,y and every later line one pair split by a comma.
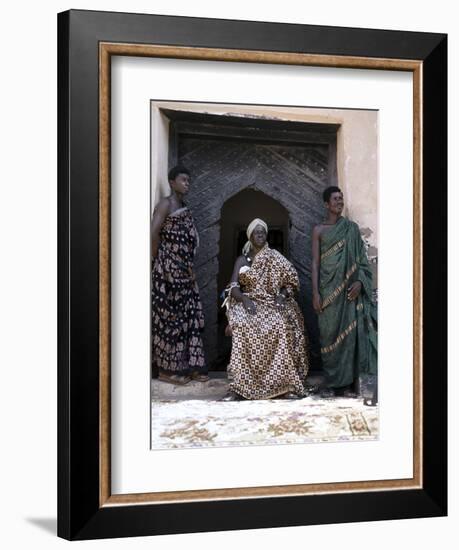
x,y
195,423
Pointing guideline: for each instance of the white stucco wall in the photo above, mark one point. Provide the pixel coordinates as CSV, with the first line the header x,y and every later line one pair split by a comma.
x,y
159,156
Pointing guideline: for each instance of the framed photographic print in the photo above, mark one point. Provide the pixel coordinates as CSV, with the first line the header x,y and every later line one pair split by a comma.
x,y
252,274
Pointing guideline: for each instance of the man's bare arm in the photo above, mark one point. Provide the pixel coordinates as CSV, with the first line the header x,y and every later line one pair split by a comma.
x,y
316,299
236,292
159,215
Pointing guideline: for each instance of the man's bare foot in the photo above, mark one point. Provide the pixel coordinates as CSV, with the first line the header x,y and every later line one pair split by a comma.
x,y
349,393
177,379
327,393
199,377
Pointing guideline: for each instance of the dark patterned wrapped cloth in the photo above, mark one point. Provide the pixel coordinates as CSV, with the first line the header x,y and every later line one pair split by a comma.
x,y
177,317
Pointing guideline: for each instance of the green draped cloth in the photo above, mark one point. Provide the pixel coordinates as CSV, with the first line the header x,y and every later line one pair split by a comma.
x,y
348,334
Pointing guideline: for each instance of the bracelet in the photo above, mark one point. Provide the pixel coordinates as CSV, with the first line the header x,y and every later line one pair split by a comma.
x,y
227,291
232,285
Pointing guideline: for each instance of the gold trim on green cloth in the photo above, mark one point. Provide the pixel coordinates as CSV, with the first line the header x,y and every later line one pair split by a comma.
x,y
329,299
340,338
334,248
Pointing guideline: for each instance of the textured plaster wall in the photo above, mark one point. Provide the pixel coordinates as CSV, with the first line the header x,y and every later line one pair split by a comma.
x,y
358,171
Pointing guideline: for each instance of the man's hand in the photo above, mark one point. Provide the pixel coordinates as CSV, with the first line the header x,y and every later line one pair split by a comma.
x,y
354,290
317,302
249,306
280,299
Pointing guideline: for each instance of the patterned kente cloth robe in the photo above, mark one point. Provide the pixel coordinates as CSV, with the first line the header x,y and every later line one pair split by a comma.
x,y
177,317
269,355
347,328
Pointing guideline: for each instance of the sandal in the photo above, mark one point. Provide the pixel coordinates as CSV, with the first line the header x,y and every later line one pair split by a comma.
x,y
231,396
311,389
291,395
199,377
178,380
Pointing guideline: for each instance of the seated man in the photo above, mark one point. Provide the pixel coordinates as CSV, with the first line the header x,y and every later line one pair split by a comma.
x,y
268,357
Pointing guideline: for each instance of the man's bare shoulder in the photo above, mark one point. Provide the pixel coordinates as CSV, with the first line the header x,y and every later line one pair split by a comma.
x,y
318,229
163,207
240,261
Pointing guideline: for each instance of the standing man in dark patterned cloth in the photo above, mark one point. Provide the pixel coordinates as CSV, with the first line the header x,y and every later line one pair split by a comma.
x,y
342,299
177,316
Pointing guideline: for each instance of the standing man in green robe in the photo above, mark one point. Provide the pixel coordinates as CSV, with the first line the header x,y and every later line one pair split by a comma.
x,y
342,299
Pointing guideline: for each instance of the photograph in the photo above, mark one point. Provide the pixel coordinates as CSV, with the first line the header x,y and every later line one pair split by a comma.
x,y
264,246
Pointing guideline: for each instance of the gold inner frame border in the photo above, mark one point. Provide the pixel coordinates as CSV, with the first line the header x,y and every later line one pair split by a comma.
x,y
106,51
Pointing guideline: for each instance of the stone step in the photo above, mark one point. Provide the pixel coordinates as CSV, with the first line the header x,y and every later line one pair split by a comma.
x,y
213,390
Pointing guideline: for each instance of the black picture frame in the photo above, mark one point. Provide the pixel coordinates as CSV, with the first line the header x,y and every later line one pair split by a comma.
x,y
80,513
